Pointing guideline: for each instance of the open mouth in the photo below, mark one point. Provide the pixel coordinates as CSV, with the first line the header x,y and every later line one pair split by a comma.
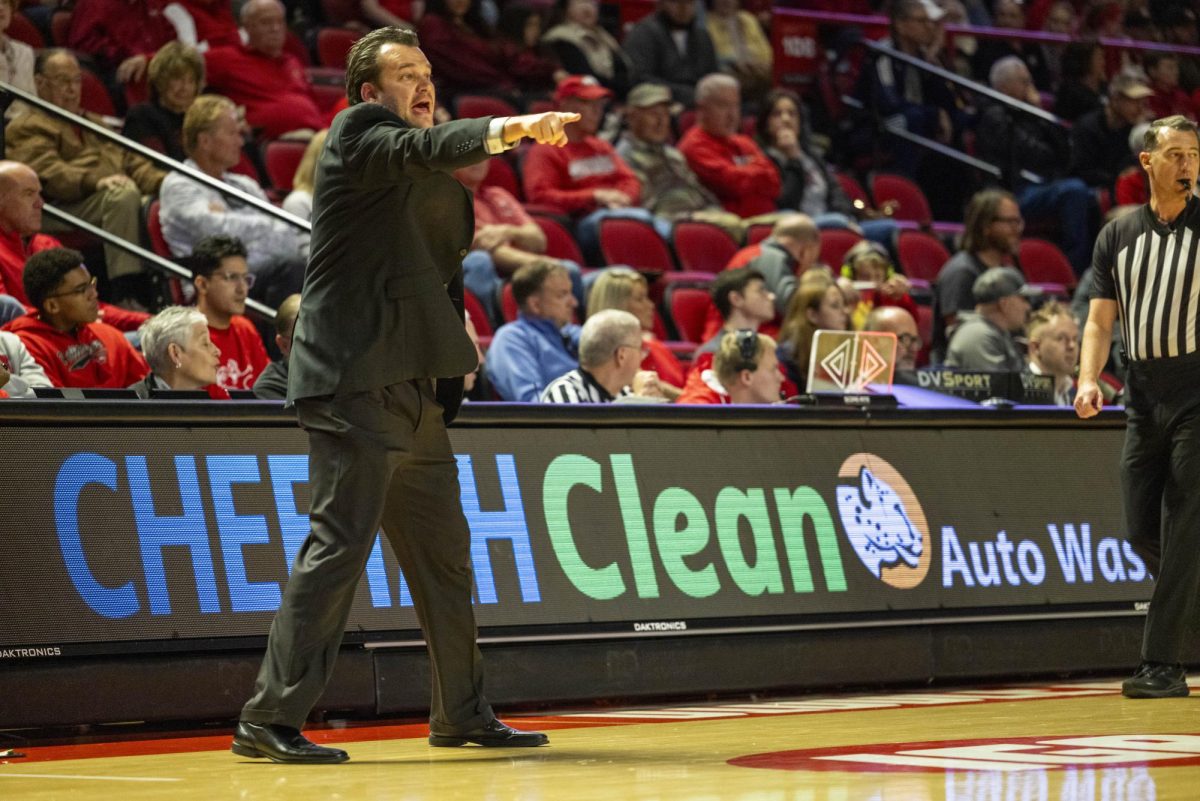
x,y
1185,184
422,107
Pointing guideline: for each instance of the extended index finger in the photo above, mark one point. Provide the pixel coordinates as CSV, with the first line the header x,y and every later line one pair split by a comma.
x,y
569,116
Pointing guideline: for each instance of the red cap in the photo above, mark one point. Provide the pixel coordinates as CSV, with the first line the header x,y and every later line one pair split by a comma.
x,y
584,87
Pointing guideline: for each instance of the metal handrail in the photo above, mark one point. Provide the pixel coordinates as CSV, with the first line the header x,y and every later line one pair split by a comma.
x,y
141,252
157,158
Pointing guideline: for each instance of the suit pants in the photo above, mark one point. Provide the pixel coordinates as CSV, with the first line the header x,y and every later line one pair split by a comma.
x,y
381,456
1160,478
118,211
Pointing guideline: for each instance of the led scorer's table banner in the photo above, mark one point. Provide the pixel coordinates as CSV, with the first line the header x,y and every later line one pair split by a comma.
x,y
145,535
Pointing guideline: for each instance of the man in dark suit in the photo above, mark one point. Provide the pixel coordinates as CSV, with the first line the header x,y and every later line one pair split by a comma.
x,y
378,355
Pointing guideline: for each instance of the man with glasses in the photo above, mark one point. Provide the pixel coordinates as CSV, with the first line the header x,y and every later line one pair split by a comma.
x,y
744,369
64,334
610,357
223,280
897,320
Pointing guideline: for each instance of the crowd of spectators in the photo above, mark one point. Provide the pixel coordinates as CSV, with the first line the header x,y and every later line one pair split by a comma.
x,y
682,121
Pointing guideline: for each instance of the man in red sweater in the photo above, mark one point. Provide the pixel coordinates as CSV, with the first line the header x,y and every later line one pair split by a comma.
x,y
727,162
586,179
63,335
122,35
259,75
223,279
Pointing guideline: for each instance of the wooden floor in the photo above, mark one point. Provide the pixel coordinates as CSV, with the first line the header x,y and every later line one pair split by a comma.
x,y
1066,742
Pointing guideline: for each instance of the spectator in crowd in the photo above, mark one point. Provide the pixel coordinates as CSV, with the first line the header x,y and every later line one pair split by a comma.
x,y
85,175
176,75
992,229
270,83
586,178
1178,24
744,369
400,13
627,289
223,279
1010,14
672,47
19,371
191,211
1162,68
897,320
506,238
741,46
299,200
1020,143
610,352
64,333
1100,139
519,34
583,47
272,382
543,342
1081,89
1060,19
817,305
180,353
807,183
793,247
869,267
1053,336
204,24
729,163
462,47
986,339
16,59
121,35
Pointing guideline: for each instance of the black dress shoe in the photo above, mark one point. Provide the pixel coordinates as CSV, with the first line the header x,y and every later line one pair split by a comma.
x,y
282,744
494,735
1156,680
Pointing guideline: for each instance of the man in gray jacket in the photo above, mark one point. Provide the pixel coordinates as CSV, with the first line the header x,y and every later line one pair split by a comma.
x,y
986,338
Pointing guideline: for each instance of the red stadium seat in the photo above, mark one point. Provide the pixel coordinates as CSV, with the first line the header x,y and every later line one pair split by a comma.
x,y
703,247
22,30
500,173
471,106
158,243
282,157
483,326
758,232
560,244
834,244
328,96
508,304
339,12
636,243
60,27
688,307
1043,263
921,255
911,203
853,189
95,97
333,44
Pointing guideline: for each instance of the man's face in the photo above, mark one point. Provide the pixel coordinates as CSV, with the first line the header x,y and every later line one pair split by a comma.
x,y
1017,84
1009,15
583,12
651,124
721,112
1056,348
1165,73
1004,231
1015,310
679,12
222,142
20,201
74,301
266,28
908,338
1061,19
628,359
225,290
554,301
405,85
766,380
756,301
916,29
1129,110
591,114
61,82
1172,166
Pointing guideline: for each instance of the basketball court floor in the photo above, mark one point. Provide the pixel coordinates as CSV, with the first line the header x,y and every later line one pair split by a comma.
x,y
1078,741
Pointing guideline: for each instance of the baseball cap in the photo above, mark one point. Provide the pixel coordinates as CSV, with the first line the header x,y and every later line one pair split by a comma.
x,y
1132,86
584,87
1001,282
933,10
645,95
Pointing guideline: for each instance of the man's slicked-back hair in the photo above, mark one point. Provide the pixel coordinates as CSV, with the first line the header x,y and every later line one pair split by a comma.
x,y
1176,122
729,281
44,271
362,62
211,251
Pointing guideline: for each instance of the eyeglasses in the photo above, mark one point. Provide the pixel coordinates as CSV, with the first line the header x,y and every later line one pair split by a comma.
x,y
747,345
240,278
79,290
910,341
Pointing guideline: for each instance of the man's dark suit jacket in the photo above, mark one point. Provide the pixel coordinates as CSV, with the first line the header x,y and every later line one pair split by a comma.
x,y
382,299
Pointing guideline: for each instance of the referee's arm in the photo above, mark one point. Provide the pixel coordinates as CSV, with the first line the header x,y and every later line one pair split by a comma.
x,y
1097,340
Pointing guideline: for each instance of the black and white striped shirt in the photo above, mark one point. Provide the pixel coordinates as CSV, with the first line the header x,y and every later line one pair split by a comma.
x,y
1152,271
578,386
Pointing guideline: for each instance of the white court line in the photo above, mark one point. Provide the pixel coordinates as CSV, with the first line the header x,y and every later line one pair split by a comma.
x,y
6,775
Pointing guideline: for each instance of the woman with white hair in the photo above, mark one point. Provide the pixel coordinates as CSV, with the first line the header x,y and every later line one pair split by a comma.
x,y
181,355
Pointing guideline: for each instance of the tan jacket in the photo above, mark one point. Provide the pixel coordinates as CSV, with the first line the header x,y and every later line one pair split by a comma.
x,y
69,160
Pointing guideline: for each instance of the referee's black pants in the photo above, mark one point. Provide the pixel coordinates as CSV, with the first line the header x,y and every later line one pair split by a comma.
x,y
381,456
1160,477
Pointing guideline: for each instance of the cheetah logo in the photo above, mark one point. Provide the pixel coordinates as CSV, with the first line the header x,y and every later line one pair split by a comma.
x,y
883,521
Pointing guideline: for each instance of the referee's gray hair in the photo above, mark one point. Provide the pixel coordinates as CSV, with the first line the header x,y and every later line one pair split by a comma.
x,y
712,83
603,333
171,325
1176,122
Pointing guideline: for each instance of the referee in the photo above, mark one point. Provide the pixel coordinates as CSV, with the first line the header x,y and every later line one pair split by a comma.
x,y
1147,273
